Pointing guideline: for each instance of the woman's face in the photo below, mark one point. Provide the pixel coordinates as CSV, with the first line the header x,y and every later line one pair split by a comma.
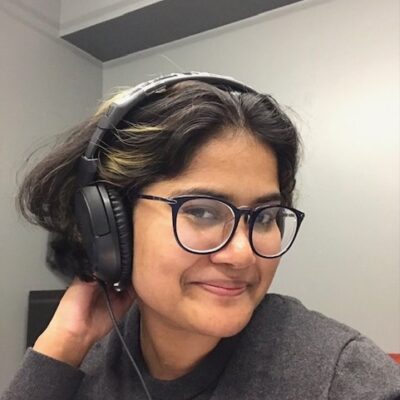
x,y
178,287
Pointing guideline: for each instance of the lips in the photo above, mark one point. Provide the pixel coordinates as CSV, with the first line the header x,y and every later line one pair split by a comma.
x,y
223,288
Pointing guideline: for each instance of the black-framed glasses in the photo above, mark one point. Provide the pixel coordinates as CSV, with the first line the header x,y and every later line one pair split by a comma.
x,y
205,224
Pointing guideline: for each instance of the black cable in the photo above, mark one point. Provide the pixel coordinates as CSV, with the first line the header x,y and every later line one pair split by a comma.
x,y
124,345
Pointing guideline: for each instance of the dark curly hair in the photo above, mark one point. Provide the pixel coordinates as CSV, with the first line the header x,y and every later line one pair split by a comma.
x,y
157,140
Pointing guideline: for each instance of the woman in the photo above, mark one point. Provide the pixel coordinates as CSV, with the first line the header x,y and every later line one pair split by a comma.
x,y
221,160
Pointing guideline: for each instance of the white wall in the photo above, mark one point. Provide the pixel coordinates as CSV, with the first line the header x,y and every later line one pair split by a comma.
x,y
45,88
336,63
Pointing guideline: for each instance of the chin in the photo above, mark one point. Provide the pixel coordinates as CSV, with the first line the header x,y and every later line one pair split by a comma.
x,y
226,331
223,327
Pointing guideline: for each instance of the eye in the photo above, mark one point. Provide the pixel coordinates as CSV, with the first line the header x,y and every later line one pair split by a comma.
x,y
266,218
201,216
205,212
197,212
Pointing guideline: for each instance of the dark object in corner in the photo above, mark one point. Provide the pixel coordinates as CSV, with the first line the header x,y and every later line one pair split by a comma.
x,y
42,305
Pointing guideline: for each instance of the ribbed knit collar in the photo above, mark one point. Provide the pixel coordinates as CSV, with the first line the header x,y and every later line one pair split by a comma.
x,y
204,375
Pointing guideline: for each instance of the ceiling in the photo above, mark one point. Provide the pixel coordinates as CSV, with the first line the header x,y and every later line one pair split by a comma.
x,y
162,22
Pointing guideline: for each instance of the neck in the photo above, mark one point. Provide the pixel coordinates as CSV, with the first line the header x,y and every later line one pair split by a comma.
x,y
171,352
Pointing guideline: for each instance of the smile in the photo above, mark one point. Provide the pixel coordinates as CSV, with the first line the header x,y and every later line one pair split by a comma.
x,y
225,289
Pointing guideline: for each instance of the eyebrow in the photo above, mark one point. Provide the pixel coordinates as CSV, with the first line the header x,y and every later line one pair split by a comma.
x,y
267,198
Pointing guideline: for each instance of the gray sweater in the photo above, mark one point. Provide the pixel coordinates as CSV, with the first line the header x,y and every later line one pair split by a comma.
x,y
285,352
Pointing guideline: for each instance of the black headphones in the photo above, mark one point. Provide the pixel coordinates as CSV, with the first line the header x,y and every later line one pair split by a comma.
x,y
103,221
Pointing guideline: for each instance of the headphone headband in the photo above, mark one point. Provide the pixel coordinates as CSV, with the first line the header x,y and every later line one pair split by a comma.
x,y
138,94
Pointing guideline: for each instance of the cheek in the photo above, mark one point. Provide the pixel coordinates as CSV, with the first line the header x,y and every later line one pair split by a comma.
x,y
158,264
267,272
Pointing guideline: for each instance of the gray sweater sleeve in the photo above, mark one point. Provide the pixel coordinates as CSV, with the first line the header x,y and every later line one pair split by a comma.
x,y
365,372
43,378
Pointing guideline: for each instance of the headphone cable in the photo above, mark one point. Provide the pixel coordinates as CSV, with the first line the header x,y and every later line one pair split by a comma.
x,y
124,345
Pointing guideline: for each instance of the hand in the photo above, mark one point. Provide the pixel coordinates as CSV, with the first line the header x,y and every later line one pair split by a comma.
x,y
80,320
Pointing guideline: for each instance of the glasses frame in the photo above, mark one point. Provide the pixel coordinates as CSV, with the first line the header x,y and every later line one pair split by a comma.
x,y
249,213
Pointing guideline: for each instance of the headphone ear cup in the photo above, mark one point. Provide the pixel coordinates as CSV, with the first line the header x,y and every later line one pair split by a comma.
x,y
106,231
123,221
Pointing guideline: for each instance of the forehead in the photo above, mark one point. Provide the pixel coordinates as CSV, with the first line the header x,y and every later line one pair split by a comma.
x,y
235,164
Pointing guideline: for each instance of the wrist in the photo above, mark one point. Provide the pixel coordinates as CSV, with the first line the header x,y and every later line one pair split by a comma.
x,y
62,347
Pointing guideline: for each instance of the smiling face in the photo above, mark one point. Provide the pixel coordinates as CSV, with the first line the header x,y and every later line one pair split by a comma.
x,y
213,294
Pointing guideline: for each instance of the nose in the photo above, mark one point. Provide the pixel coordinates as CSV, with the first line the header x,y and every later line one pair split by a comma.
x,y
238,252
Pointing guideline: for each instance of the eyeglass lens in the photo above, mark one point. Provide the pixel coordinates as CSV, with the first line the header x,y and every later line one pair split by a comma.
x,y
205,225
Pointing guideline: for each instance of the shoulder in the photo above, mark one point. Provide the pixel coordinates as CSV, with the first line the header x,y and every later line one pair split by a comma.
x,y
309,337
108,373
297,329
364,371
40,377
288,351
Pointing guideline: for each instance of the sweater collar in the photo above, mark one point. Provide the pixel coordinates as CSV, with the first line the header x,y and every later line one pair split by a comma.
x,y
203,377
